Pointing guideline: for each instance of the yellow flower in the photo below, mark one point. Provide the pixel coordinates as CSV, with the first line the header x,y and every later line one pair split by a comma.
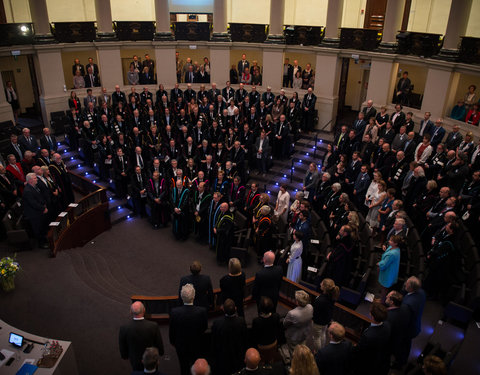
x,y
3,272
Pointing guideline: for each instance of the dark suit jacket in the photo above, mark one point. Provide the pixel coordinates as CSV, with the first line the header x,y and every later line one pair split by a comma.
x,y
187,325
44,143
399,121
334,359
399,320
241,66
34,203
11,150
30,146
203,289
135,337
416,303
143,373
92,83
189,79
371,354
229,339
267,283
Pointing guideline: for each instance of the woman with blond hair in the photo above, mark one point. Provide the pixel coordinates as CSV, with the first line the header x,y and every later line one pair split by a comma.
x,y
322,312
233,285
298,321
303,362
354,223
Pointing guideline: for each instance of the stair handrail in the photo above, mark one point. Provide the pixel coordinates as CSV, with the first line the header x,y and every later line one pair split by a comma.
x,y
316,137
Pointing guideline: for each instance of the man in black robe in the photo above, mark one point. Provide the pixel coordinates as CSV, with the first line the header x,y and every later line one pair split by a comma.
x,y
224,232
60,175
179,201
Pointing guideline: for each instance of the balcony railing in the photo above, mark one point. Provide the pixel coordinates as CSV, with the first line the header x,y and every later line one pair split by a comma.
x,y
158,307
419,44
248,32
304,35
362,39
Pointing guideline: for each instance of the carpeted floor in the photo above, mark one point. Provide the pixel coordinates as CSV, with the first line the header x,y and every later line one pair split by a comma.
x,y
83,294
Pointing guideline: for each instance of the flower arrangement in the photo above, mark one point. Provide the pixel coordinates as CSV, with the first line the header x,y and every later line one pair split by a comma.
x,y
8,268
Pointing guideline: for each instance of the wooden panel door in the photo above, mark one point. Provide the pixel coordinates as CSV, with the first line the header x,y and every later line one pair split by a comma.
x,y
375,14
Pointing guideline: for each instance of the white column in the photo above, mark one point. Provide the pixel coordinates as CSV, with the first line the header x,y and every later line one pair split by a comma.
x,y
162,19
220,21
165,65
39,13
220,70
456,26
6,112
393,22
275,31
334,21
103,12
437,90
327,79
110,64
381,81
51,81
273,59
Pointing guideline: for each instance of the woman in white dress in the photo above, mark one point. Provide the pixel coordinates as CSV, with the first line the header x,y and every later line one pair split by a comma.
x,y
375,204
294,261
283,200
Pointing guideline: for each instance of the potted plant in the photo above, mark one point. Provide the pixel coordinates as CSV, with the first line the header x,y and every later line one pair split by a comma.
x,y
8,270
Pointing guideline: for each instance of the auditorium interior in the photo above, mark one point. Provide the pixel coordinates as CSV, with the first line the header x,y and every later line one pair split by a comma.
x,y
365,113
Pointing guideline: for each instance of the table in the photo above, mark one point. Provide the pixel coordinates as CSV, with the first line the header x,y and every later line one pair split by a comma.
x,y
65,365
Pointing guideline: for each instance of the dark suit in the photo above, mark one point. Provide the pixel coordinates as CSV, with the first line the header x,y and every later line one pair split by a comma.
x,y
437,132
399,320
242,65
372,356
93,81
308,102
203,289
18,153
189,77
398,121
28,144
229,342
135,337
267,284
34,204
425,127
187,325
334,358
50,145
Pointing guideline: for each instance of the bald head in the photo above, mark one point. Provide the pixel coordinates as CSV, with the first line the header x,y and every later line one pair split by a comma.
x,y
252,358
137,309
200,367
268,258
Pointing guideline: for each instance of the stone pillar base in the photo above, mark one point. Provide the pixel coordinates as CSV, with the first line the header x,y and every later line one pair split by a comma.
x,y
106,37
275,39
44,39
388,46
221,37
331,42
447,54
163,35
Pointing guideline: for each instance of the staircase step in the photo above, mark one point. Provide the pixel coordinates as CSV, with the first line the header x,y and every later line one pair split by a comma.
x,y
120,214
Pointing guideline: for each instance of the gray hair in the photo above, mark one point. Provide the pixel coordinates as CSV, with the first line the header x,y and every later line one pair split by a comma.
x,y
302,298
327,175
336,186
30,176
187,293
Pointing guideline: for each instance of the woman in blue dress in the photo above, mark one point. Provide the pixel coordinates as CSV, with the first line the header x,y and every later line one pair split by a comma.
x,y
294,261
389,265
